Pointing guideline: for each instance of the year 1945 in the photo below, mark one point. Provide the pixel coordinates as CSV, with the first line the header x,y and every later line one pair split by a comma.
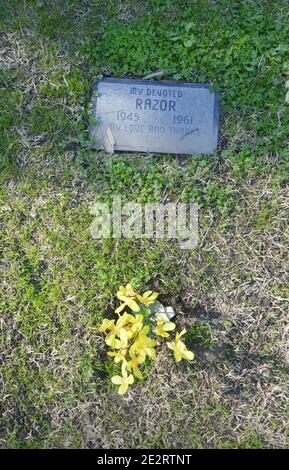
x,y
123,116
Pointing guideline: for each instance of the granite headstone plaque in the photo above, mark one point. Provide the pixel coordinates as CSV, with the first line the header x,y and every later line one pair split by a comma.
x,y
154,116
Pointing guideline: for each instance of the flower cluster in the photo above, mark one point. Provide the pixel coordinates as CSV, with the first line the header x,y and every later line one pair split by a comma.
x,y
131,336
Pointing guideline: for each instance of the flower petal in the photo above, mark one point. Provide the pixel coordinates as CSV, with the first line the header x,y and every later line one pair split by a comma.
x,y
154,296
124,319
138,318
123,335
133,305
161,332
117,379
141,358
147,293
106,325
113,342
189,355
130,379
169,326
137,373
181,333
120,308
123,388
178,356
145,330
123,369
129,290
151,353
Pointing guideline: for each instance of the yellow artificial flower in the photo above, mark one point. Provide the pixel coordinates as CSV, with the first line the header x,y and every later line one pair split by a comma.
x,y
106,325
114,331
163,326
180,349
133,364
118,355
115,343
132,323
127,295
123,381
135,325
124,319
111,340
149,297
144,345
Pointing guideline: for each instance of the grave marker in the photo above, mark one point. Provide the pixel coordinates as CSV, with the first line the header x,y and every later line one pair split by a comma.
x,y
154,116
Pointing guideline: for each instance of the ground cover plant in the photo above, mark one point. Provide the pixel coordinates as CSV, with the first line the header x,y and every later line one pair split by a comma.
x,y
58,283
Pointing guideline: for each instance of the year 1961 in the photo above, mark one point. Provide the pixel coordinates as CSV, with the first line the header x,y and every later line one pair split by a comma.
x,y
181,119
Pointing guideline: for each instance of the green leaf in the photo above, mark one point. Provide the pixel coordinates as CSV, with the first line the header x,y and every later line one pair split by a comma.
x,y
189,26
189,43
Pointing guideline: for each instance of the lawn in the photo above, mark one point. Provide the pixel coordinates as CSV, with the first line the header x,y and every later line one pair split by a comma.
x,y
58,283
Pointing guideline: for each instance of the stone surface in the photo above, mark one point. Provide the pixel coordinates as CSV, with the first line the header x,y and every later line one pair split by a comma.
x,y
160,311
154,116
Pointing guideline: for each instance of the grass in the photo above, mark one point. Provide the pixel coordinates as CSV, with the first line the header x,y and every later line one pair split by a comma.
x,y
231,292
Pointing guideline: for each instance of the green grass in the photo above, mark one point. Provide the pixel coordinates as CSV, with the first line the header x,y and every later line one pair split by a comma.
x,y
200,333
58,282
